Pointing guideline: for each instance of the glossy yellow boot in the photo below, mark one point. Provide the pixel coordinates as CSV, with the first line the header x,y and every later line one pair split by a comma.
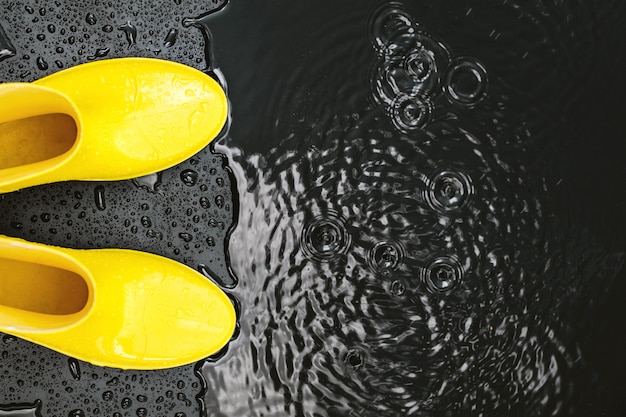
x,y
106,120
111,307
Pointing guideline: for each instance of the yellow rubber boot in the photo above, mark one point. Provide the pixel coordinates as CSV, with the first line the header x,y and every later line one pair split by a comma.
x,y
106,120
111,307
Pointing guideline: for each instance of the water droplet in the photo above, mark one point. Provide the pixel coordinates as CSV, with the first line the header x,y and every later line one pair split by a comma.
x,y
51,28
141,412
130,31
17,225
107,28
99,197
107,395
42,64
228,281
146,222
220,201
385,256
205,203
187,237
74,368
466,81
149,182
100,53
90,18
189,177
410,113
170,39
325,237
126,403
210,241
449,190
443,275
76,413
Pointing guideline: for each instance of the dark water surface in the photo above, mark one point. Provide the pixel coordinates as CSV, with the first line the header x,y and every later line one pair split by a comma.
x,y
428,212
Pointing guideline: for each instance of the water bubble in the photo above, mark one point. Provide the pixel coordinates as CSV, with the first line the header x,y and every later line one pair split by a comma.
x,y
410,113
325,237
385,256
189,177
466,81
443,275
170,39
449,190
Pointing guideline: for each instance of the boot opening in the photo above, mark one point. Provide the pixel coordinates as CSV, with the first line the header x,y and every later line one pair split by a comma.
x,y
36,139
41,288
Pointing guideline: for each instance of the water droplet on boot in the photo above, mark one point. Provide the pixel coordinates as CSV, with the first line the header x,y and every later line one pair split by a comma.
x,y
74,368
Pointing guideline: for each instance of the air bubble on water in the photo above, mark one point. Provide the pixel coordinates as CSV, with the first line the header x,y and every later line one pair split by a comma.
x,y
325,237
170,38
74,367
443,275
449,190
130,31
466,81
99,197
411,113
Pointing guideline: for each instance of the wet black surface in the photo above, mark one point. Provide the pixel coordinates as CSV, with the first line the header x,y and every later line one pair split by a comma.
x,y
429,206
